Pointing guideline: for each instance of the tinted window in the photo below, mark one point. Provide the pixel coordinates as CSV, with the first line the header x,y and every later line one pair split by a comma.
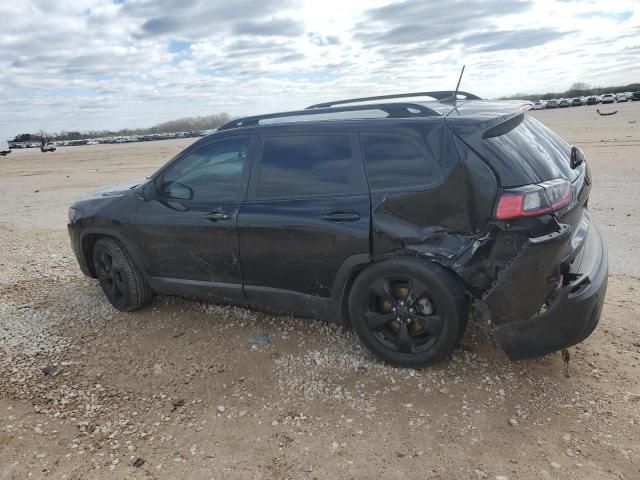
x,y
296,166
529,153
212,172
396,162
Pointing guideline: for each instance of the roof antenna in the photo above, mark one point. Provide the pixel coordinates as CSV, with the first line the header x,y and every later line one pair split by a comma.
x,y
455,95
454,98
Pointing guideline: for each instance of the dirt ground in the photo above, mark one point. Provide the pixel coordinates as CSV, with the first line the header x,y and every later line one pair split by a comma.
x,y
191,390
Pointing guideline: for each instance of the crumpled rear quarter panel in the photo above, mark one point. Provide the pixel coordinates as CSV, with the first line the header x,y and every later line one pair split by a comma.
x,y
442,222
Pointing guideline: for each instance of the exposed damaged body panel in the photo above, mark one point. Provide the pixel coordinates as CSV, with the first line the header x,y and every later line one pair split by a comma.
x,y
454,233
442,221
523,285
574,312
517,271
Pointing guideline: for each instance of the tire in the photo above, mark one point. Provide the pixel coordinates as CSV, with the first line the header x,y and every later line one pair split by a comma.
x,y
408,312
121,281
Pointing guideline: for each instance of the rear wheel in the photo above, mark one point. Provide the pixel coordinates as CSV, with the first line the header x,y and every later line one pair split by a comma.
x,y
121,281
408,312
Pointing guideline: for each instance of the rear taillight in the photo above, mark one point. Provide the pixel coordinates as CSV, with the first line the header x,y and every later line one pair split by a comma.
x,y
533,200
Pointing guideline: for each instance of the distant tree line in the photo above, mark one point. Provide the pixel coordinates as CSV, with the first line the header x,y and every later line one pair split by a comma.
x,y
192,124
578,89
189,124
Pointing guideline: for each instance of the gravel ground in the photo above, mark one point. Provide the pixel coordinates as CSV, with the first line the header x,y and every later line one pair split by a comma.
x,y
189,390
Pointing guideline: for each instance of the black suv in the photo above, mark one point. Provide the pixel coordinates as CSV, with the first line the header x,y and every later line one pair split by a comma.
x,y
399,219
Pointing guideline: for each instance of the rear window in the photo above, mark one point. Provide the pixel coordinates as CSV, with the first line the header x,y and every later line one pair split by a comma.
x,y
395,161
306,165
528,153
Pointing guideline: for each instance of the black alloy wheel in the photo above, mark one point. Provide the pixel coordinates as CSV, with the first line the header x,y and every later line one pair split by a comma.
x,y
401,314
122,283
408,311
109,275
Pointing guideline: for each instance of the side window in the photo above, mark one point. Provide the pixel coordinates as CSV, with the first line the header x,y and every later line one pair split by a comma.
x,y
303,165
212,172
395,161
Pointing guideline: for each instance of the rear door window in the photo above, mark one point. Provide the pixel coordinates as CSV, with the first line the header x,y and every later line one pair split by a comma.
x,y
295,166
397,162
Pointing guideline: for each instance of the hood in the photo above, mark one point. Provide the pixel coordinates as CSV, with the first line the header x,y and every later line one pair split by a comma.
x,y
120,190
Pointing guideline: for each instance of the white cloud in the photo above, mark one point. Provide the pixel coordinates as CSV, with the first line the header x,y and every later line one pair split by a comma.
x,y
71,65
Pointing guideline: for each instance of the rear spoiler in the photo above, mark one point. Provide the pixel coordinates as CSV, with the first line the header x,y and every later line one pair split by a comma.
x,y
488,119
504,126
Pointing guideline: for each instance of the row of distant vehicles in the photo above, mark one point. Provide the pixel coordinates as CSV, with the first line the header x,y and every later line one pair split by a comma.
x,y
589,100
50,146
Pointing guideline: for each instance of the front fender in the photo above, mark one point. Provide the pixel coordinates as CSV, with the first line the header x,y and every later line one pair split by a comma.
x,y
87,239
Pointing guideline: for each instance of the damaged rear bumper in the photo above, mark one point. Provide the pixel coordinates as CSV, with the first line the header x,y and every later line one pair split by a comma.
x,y
574,313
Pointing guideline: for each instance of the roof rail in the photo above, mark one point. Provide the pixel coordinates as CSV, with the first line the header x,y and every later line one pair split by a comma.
x,y
438,95
393,110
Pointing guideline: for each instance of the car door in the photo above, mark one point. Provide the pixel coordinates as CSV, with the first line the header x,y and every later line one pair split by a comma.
x,y
188,233
307,211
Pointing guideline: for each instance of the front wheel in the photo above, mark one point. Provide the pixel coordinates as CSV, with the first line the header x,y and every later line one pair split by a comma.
x,y
121,281
409,312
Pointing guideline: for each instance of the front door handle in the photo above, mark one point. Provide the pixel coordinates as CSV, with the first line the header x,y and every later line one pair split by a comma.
x,y
216,216
341,217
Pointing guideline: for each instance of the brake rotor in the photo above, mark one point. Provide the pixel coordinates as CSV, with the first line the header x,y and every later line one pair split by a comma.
x,y
424,307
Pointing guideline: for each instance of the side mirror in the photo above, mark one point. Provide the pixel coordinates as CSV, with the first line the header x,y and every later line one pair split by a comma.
x,y
177,191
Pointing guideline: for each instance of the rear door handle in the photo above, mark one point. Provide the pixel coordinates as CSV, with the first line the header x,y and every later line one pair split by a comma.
x,y
216,216
341,217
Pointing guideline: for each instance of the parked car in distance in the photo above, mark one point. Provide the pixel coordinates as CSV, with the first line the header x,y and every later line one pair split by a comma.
x,y
553,103
538,105
608,98
47,147
564,103
576,102
636,96
4,148
592,100
393,225
621,97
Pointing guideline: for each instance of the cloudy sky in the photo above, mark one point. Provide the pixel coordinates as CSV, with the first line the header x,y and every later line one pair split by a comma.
x,y
109,64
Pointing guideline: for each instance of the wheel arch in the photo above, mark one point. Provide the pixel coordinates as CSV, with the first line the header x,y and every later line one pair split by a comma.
x,y
90,236
362,266
343,280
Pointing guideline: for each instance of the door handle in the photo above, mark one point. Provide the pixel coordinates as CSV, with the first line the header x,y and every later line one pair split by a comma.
x,y
341,217
215,216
